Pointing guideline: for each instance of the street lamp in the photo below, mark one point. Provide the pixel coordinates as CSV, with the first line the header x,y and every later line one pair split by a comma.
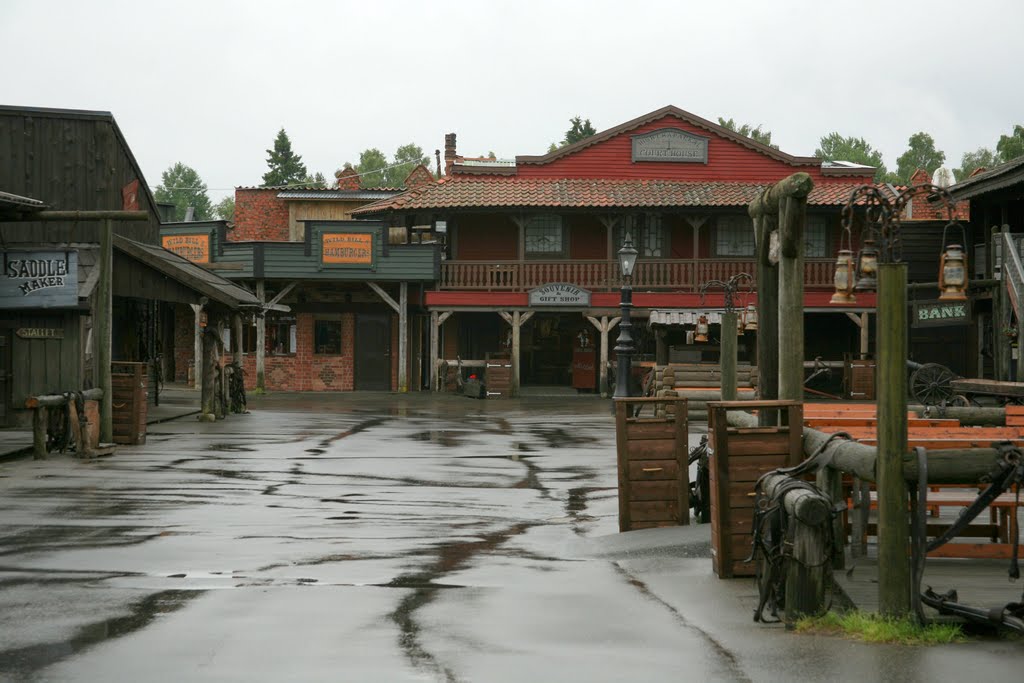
x,y
624,344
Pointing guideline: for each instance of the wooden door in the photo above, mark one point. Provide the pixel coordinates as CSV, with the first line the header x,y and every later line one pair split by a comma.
x,y
373,352
5,375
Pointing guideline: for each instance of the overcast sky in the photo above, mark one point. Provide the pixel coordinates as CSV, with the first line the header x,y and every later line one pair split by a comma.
x,y
210,83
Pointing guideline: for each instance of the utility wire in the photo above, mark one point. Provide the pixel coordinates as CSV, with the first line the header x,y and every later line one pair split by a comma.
x,y
358,175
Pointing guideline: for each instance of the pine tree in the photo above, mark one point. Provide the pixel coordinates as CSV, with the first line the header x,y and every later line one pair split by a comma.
x,y
286,167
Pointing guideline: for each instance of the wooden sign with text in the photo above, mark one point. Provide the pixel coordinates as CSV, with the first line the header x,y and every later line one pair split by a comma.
x,y
195,248
347,248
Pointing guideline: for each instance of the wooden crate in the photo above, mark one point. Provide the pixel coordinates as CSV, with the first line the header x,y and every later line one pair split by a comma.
x,y
652,460
498,376
738,458
859,377
129,382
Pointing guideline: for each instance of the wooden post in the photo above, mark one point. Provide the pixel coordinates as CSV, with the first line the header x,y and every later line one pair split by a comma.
x,y
403,337
197,348
102,330
791,298
435,352
767,319
39,433
660,347
236,323
515,319
220,407
604,326
830,482
894,580
728,357
207,368
261,338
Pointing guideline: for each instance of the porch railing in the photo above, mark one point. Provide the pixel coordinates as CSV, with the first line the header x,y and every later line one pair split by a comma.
x,y
601,275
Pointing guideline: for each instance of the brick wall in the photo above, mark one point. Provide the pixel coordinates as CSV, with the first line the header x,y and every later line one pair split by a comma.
x,y
184,341
922,210
304,370
259,215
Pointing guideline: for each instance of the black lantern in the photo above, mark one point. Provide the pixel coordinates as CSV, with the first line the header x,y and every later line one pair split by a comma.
x,y
624,344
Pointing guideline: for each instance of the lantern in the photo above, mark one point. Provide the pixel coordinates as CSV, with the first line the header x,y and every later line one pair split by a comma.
x,y
702,329
844,278
867,268
953,274
750,319
627,257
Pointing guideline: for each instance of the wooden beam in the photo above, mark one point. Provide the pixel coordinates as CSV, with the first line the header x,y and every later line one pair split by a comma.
x,y
792,214
103,327
385,296
435,353
39,433
282,294
403,337
854,318
57,400
197,347
865,339
88,216
236,324
604,326
261,339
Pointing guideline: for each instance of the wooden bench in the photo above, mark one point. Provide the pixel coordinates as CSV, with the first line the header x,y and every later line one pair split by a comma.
x,y
1001,530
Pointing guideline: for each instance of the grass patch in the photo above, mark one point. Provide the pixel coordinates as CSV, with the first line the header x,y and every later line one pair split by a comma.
x,y
257,392
873,628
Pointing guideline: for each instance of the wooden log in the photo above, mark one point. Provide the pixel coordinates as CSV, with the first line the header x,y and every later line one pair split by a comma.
x,y
261,340
792,215
768,317
207,368
53,400
768,202
103,328
236,324
729,358
403,337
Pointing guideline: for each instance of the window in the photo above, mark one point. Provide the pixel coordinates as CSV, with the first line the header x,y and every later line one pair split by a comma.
x,y
646,231
816,236
734,236
544,236
280,335
327,336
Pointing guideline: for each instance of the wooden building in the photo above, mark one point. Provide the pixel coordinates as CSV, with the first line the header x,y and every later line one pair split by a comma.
x,y
530,267
353,290
59,161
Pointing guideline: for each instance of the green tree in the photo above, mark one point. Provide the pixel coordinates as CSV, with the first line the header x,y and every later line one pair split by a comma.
x,y
921,153
1011,146
286,167
835,147
316,180
983,157
579,129
407,157
756,134
372,163
181,185
225,209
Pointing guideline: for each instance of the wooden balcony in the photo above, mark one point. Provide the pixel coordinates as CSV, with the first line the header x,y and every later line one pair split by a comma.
x,y
663,274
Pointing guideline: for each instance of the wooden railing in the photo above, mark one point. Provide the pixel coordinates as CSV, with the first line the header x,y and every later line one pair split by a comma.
x,y
671,274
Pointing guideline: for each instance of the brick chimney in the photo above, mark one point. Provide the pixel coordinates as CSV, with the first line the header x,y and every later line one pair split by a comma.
x,y
449,153
347,178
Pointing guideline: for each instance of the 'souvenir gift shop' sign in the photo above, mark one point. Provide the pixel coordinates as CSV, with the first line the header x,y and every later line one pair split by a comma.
x,y
347,248
39,279
195,248
939,313
670,144
559,294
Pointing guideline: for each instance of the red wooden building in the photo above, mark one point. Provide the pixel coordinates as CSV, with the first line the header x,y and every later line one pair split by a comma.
x,y
530,247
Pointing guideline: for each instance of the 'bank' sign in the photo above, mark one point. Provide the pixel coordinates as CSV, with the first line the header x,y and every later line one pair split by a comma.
x,y
39,279
939,313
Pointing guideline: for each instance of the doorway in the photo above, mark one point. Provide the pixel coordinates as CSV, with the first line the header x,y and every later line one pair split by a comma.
x,y
373,352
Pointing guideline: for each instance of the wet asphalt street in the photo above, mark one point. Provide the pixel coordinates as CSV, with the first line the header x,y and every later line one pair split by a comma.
x,y
383,538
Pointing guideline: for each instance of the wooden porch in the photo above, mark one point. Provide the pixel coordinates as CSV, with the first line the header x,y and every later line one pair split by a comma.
x,y
603,275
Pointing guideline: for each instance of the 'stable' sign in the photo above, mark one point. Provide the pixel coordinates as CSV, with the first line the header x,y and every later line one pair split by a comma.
x,y
39,279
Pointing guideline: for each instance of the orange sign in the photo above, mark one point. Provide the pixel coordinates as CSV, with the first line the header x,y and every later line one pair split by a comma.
x,y
348,247
195,248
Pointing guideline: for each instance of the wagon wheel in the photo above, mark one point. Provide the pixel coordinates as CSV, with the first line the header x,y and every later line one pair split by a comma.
x,y
930,384
959,401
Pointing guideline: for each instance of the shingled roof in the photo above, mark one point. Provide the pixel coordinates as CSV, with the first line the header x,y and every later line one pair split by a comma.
x,y
462,192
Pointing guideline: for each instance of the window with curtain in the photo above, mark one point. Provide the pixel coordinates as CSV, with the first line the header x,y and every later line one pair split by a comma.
x,y
734,236
544,236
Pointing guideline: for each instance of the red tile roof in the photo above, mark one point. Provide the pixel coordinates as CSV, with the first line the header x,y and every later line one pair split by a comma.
x,y
488,192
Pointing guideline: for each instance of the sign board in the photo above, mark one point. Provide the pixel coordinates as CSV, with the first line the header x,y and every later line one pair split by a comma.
x,y
194,248
441,226
40,332
347,248
39,279
941,313
559,294
670,144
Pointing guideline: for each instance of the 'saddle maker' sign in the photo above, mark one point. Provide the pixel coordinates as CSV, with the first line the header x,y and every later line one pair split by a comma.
x,y
39,279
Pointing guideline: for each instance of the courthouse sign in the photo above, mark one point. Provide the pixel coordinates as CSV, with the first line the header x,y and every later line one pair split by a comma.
x,y
670,144
39,279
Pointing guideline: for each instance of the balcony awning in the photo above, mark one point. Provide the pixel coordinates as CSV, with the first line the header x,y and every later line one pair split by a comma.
x,y
683,316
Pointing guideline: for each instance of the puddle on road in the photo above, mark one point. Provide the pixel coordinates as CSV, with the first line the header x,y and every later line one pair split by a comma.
x,y
230,448
23,662
445,437
558,437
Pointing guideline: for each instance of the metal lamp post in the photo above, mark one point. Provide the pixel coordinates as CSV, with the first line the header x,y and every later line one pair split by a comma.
x,y
881,255
624,343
